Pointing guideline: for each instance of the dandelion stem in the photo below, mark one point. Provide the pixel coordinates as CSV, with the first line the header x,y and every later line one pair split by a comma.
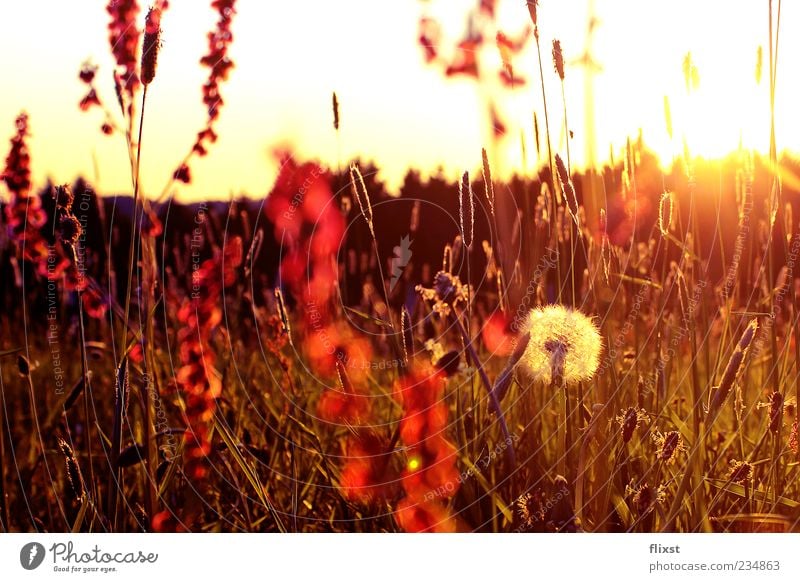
x,y
494,403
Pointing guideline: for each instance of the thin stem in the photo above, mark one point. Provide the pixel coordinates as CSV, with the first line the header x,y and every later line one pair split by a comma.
x,y
134,221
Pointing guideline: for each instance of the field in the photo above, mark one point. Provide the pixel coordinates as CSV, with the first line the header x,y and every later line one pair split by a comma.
x,y
603,350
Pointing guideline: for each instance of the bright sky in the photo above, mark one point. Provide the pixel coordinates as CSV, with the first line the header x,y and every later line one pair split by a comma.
x,y
290,56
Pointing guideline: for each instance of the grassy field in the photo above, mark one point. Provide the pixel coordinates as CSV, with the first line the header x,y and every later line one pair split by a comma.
x,y
606,351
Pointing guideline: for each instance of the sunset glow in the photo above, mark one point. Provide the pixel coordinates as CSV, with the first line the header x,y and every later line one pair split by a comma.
x,y
287,67
420,266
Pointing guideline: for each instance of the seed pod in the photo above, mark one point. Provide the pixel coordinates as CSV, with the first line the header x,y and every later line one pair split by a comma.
x,y
335,112
487,180
69,228
281,305
735,364
362,196
567,188
466,204
73,470
665,212
532,11
150,45
558,59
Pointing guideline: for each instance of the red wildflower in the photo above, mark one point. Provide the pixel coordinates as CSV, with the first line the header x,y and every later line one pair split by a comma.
x,y
340,407
429,37
87,73
24,215
496,337
465,61
498,126
124,40
196,376
430,474
217,61
90,100
512,81
366,475
488,7
182,174
424,516
166,522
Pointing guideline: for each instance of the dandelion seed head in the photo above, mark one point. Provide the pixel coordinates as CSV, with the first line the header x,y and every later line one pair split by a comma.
x,y
563,340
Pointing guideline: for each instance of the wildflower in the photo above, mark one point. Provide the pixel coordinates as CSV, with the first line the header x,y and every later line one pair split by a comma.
x,y
436,350
793,439
430,474
196,376
87,72
741,472
89,100
24,214
645,497
124,41
499,127
488,7
563,341
219,64
343,406
366,474
447,292
669,445
182,174
775,412
465,62
94,303
429,36
424,517
629,421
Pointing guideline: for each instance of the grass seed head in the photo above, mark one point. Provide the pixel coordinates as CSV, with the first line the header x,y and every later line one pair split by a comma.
x,y
151,45
558,59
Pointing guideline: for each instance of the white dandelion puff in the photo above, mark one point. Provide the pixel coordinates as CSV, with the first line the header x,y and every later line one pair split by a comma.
x,y
562,342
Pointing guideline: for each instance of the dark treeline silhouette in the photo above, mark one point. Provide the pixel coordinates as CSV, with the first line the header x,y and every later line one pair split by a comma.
x,y
425,212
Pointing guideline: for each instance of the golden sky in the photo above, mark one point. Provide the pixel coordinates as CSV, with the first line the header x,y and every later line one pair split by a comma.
x,y
396,110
